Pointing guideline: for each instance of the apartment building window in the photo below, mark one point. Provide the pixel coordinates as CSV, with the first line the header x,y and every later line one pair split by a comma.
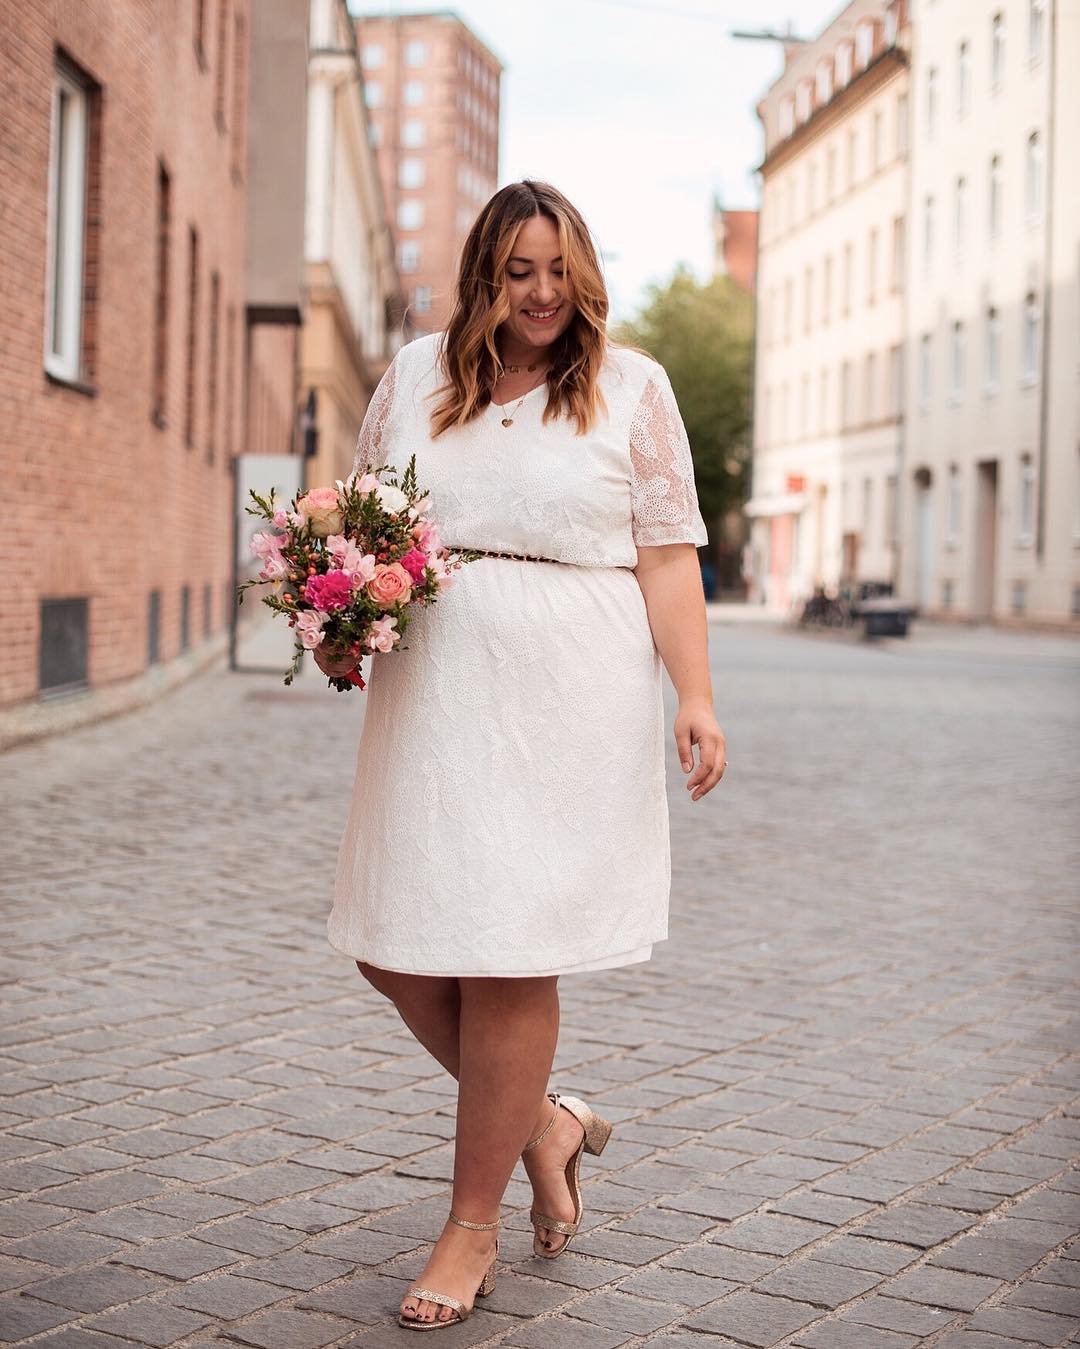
x,y
1026,511
1033,181
926,371
870,388
931,100
185,617
871,267
901,126
994,198
411,173
952,507
1036,29
415,53
864,45
153,627
373,93
830,174
959,213
867,506
804,407
199,33
410,215
846,398
422,299
413,93
890,510
786,117
808,298
811,188
374,135
877,141
192,334
928,233
823,403
892,24
852,148
959,360
826,290
1031,338
789,304
843,64
68,174
997,51
222,65
212,365
993,350
159,392
803,102
896,381
963,79
896,280
412,133
824,82
849,277
372,55
408,256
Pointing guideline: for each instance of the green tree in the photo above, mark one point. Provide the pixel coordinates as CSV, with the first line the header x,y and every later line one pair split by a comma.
x,y
702,335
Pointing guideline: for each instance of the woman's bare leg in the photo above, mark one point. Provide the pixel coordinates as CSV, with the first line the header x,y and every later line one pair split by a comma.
x,y
430,1005
508,1032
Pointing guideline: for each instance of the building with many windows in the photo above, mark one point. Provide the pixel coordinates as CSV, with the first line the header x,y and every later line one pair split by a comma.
x,y
122,352
432,91
830,286
991,477
920,246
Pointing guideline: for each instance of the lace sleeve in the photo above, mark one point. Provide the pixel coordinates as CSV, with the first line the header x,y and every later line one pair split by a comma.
x,y
370,447
663,493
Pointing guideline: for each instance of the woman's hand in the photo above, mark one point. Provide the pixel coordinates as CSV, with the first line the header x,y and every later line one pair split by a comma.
x,y
336,660
696,724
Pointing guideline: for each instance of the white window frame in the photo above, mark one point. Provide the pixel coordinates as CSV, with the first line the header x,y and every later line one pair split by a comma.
x,y
373,93
422,299
959,214
992,372
997,51
844,58
371,55
1031,339
931,102
66,257
958,362
786,117
1025,504
415,53
926,371
410,214
824,81
995,198
952,506
864,44
413,133
408,255
412,93
1034,187
1036,30
411,172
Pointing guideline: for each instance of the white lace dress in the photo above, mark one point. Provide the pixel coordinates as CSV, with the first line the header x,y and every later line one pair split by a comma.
x,y
509,814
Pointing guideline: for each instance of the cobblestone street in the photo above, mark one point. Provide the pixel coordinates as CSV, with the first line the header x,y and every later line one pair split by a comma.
x,y
846,1090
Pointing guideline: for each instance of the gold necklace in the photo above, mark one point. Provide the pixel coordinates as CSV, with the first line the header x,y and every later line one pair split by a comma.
x,y
517,369
509,420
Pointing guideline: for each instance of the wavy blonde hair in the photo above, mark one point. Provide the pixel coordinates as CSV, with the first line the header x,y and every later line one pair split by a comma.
x,y
470,357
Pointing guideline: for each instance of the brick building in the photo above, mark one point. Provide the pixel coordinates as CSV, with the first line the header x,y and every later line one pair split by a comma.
x,y
432,91
124,383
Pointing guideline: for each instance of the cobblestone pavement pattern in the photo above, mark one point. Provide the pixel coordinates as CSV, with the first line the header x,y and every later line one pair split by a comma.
x,y
845,1090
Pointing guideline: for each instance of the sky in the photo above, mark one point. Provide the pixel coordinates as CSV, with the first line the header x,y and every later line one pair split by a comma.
x,y
638,110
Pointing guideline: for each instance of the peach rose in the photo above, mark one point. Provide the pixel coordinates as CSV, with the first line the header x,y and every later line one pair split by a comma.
x,y
323,511
389,585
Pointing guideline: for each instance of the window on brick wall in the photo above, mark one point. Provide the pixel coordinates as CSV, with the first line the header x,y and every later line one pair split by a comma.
x,y
239,97
159,396
185,617
153,628
222,65
213,357
71,171
207,613
62,648
192,334
199,31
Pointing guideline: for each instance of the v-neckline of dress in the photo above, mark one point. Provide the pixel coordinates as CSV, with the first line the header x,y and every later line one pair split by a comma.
x,y
502,408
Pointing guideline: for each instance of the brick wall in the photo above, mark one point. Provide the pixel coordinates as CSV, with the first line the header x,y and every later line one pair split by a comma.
x,y
102,499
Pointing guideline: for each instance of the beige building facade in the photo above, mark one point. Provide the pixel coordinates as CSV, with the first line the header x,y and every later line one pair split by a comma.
x,y
432,92
353,321
991,475
830,303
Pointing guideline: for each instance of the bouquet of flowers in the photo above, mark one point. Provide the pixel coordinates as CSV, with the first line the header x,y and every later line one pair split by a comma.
x,y
351,564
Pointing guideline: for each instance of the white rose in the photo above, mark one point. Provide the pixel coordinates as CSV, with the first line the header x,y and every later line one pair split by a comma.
x,y
392,498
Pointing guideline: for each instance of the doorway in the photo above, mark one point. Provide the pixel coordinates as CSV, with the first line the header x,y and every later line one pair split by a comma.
x,y
924,540
986,511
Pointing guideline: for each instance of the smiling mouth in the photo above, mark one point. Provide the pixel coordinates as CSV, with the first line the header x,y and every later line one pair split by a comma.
x,y
542,315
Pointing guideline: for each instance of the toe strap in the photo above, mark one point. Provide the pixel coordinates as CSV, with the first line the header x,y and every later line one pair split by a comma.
x,y
443,1299
553,1224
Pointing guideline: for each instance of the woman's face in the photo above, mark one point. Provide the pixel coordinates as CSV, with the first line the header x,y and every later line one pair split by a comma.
x,y
540,304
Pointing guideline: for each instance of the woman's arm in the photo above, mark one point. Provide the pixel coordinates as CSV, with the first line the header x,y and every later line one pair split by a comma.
x,y
670,580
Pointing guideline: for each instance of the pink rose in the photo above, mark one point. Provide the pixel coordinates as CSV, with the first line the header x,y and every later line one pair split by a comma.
x,y
274,568
329,592
322,509
415,563
426,534
358,567
389,585
267,545
310,627
381,637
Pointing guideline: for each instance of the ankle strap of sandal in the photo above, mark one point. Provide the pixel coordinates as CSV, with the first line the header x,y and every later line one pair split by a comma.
x,y
553,1097
476,1227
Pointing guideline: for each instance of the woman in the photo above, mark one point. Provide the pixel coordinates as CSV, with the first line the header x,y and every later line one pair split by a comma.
x,y
509,822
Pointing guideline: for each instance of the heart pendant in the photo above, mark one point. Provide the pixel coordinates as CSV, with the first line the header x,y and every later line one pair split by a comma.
x,y
508,421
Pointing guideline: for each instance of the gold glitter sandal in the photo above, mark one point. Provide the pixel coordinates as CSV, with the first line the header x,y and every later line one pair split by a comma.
x,y
463,1313
597,1132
